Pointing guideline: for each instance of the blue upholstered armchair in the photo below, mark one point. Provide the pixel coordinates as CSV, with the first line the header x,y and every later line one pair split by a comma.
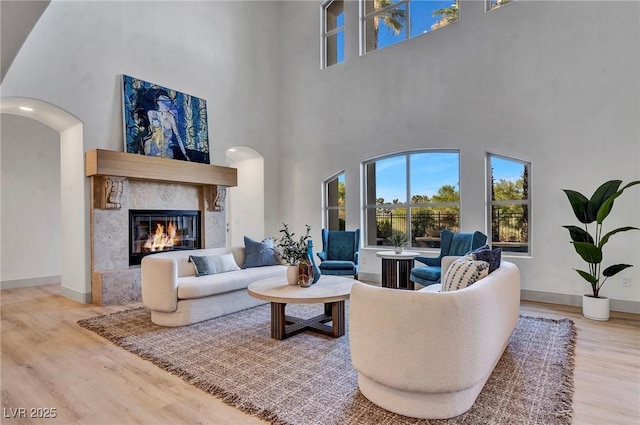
x,y
450,244
340,251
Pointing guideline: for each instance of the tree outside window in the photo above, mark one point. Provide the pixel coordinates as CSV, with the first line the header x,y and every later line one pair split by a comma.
x,y
387,22
416,193
492,4
509,203
334,200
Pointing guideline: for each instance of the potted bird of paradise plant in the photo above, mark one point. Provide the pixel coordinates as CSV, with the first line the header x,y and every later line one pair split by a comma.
x,y
589,246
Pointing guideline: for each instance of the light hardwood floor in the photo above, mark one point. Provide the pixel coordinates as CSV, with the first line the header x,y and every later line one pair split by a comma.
x,y
49,362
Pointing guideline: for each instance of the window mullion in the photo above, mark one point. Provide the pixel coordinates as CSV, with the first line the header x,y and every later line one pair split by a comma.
x,y
333,31
407,20
386,9
407,163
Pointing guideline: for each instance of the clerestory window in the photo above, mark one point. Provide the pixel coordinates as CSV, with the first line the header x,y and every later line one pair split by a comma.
x,y
416,193
509,202
492,4
332,32
387,22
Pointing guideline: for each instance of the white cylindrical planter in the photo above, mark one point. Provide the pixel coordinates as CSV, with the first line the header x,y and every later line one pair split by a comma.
x,y
595,308
292,275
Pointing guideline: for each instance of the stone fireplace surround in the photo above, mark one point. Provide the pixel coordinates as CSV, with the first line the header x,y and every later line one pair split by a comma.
x,y
113,281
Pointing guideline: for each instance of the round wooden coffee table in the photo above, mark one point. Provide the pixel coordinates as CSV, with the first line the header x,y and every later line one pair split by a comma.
x,y
330,290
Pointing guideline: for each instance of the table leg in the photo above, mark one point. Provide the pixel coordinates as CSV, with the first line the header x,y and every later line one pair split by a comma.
x,y
283,326
278,321
337,318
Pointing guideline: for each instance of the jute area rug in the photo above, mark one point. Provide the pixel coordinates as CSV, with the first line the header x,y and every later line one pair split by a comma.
x,y
309,379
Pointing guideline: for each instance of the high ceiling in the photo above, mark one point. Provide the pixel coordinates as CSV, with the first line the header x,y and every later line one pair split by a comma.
x,y
17,19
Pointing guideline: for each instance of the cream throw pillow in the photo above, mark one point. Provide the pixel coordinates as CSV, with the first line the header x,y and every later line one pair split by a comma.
x,y
462,273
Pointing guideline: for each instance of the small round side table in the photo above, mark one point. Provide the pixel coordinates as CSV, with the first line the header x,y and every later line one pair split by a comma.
x,y
396,269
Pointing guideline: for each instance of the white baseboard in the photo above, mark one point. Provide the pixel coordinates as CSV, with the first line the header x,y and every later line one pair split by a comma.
x,y
370,277
625,306
81,297
32,281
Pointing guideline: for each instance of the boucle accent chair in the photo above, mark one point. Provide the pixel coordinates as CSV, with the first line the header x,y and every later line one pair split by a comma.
x,y
428,354
451,244
340,252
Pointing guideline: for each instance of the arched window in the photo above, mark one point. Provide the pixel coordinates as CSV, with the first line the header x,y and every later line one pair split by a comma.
x,y
415,192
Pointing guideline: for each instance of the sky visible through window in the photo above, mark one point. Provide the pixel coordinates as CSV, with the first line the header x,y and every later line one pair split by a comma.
x,y
340,36
429,172
422,19
506,169
421,15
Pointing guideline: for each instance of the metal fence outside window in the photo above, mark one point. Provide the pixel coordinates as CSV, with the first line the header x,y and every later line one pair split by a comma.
x,y
507,227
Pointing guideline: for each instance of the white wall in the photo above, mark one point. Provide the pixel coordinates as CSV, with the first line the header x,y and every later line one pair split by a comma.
x,y
246,202
218,51
554,83
30,201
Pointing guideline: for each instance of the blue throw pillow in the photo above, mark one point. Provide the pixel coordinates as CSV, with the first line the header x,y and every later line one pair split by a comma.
x,y
259,254
491,256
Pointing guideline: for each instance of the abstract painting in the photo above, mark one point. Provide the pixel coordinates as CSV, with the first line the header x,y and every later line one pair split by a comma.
x,y
164,122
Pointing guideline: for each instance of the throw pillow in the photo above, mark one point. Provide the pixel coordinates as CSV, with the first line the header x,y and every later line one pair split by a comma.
x,y
463,273
211,264
491,256
259,254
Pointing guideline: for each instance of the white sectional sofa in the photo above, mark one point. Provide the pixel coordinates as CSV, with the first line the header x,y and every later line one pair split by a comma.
x,y
427,354
176,297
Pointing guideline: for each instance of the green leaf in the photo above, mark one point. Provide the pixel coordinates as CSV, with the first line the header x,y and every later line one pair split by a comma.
x,y
580,205
589,252
615,269
606,206
604,192
606,237
578,234
633,183
587,276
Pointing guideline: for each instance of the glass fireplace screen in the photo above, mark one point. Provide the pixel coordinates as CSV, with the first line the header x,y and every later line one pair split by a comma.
x,y
162,230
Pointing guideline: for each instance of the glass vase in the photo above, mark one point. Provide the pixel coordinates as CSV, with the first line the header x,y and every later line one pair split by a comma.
x,y
305,273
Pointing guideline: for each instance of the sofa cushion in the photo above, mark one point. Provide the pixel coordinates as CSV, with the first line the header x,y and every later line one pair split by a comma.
x,y
431,273
336,265
191,287
463,273
259,254
212,264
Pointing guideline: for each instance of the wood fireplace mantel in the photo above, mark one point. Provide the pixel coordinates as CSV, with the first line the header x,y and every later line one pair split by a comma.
x,y
101,162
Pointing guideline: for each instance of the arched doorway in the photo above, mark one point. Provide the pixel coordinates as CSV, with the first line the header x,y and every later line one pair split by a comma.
x,y
75,255
245,202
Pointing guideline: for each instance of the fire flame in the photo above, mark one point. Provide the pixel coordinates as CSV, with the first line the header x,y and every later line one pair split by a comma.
x,y
161,240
